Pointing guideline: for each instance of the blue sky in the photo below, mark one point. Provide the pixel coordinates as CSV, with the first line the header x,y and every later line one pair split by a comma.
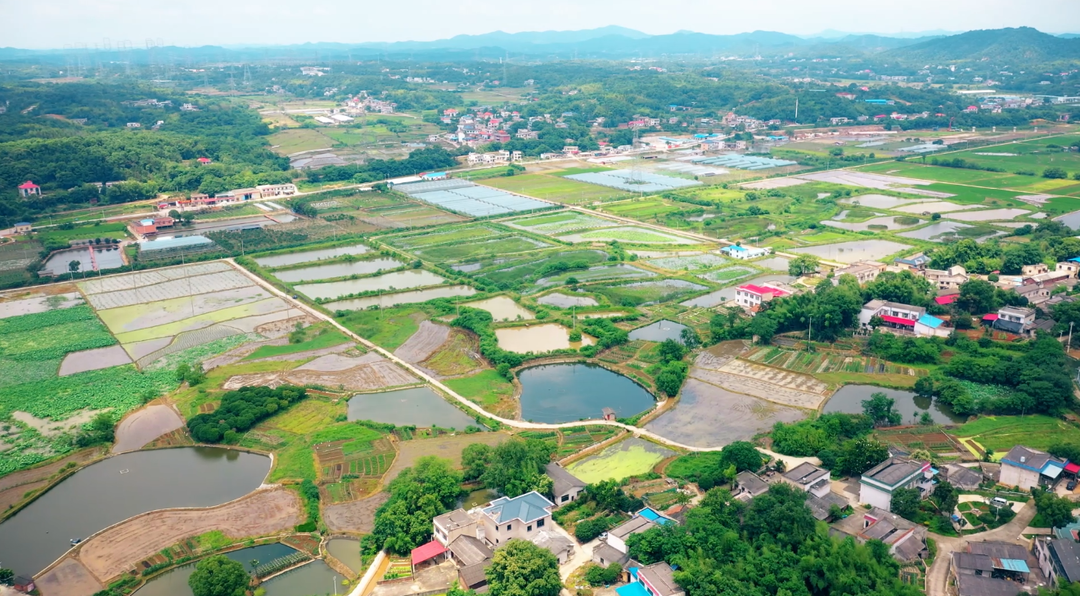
x,y
57,23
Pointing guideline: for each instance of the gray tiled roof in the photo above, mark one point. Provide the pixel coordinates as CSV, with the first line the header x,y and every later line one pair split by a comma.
x,y
751,483
562,480
470,550
634,526
980,585
660,576
893,471
1066,554
805,474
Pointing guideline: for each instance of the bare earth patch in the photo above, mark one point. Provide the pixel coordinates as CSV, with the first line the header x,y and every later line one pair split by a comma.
x,y
117,549
355,516
69,578
428,338
143,426
52,428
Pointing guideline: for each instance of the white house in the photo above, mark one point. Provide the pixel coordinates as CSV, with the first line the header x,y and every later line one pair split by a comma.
x,y
877,485
809,478
894,314
745,252
750,296
1027,468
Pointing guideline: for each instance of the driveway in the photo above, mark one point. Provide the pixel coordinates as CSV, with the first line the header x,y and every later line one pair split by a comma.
x,y
938,576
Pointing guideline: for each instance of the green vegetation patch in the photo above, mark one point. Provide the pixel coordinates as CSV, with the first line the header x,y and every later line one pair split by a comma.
x,y
1001,433
387,327
481,249
322,337
488,388
51,335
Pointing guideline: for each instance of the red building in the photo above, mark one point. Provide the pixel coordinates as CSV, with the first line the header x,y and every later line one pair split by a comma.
x,y
28,188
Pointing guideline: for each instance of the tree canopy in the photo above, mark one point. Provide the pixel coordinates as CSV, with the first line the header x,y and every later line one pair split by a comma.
x,y
419,493
520,568
219,576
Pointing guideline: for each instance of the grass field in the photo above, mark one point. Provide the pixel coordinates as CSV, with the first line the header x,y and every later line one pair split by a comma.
x,y
315,338
295,140
1001,433
554,188
479,250
450,236
509,272
979,178
117,231
388,327
488,389
690,467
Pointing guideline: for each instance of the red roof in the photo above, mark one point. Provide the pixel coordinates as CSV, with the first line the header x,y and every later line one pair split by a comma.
x,y
949,299
990,317
898,320
762,290
204,160
28,184
427,552
1072,468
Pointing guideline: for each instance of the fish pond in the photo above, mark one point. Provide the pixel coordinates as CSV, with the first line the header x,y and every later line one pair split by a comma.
x,y
850,252
332,270
561,300
311,255
720,296
347,551
567,392
850,397
659,331
419,406
624,459
502,308
104,258
120,487
539,338
387,300
398,280
314,578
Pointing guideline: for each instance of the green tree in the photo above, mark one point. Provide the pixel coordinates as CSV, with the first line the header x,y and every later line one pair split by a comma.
x,y
520,568
1055,511
905,502
976,296
690,338
859,455
671,351
742,455
1055,173
880,409
7,576
516,466
803,265
421,492
73,268
924,387
219,576
945,497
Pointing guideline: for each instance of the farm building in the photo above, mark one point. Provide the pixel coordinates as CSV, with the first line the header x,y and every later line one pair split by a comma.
x,y
1027,468
749,485
864,271
565,486
906,540
744,252
877,485
1059,559
28,189
170,247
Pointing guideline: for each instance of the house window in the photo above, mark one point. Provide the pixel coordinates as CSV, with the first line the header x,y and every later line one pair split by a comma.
x,y
565,498
539,523
508,527
528,528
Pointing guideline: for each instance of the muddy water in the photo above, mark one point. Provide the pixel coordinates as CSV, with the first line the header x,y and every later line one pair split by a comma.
x,y
419,406
539,338
121,487
850,397
175,582
347,551
564,301
478,497
311,255
105,259
333,270
314,578
400,280
659,331
568,392
388,300
501,308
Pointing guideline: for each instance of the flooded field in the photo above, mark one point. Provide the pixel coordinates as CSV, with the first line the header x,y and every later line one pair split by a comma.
x,y
878,223
333,270
850,397
347,551
720,296
934,207
620,271
120,487
850,252
95,359
502,308
105,259
398,280
39,303
419,406
388,300
710,416
876,201
626,234
774,263
987,214
567,392
659,331
624,459
1070,219
689,262
563,301
934,230
539,338
312,255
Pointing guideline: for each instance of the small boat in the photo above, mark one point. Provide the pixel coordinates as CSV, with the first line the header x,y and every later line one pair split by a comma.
x,y
75,541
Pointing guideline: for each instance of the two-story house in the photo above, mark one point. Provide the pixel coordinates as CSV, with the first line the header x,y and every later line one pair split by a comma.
x,y
750,296
877,485
809,478
521,517
1015,319
1027,468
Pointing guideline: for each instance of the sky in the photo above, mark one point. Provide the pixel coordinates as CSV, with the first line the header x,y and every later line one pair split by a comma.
x,y
45,24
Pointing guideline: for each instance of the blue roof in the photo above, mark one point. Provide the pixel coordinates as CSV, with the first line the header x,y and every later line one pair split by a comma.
x,y
1017,565
26,223
733,247
528,507
435,175
1074,259
632,589
651,515
930,321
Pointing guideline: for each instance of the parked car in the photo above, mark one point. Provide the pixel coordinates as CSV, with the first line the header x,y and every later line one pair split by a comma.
x,y
1071,485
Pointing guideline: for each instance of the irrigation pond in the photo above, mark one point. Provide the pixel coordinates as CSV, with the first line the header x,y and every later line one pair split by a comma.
x,y
567,392
849,398
419,406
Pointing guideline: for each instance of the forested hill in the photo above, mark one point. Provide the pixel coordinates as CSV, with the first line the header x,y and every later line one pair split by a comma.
x,y
1023,44
65,137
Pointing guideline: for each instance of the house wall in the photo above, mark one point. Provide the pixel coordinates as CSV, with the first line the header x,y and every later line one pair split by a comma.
x,y
822,491
1015,476
874,496
1041,550
568,497
617,543
446,537
498,534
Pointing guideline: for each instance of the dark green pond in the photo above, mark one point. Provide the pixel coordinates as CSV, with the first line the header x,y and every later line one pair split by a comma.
x,y
568,392
121,487
175,582
850,397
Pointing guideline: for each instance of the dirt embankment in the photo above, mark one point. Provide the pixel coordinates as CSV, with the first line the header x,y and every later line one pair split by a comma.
x,y
143,426
118,548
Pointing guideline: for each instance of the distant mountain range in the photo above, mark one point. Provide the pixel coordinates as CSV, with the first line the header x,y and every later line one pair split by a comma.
x,y
1013,45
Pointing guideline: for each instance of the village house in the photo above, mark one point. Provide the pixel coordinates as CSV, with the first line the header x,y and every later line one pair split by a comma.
x,y
749,485
990,569
565,486
276,190
657,579
750,296
961,477
1058,559
520,517
29,189
877,485
1015,319
1027,468
736,251
809,478
864,271
892,313
948,280
906,540
914,262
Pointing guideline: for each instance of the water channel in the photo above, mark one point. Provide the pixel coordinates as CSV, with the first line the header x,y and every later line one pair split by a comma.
x,y
120,487
573,391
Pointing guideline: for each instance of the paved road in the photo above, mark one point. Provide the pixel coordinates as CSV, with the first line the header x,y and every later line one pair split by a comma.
x,y
937,578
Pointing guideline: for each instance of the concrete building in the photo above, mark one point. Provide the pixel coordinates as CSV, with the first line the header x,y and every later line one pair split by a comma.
x,y
1058,559
990,569
565,486
29,189
276,190
1027,468
749,485
658,580
878,484
521,517
949,280
449,526
809,478
750,296
914,262
1015,319
961,477
617,536
895,315
864,271
745,252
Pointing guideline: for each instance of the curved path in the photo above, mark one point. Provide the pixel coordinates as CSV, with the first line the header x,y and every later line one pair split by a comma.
x,y
637,432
